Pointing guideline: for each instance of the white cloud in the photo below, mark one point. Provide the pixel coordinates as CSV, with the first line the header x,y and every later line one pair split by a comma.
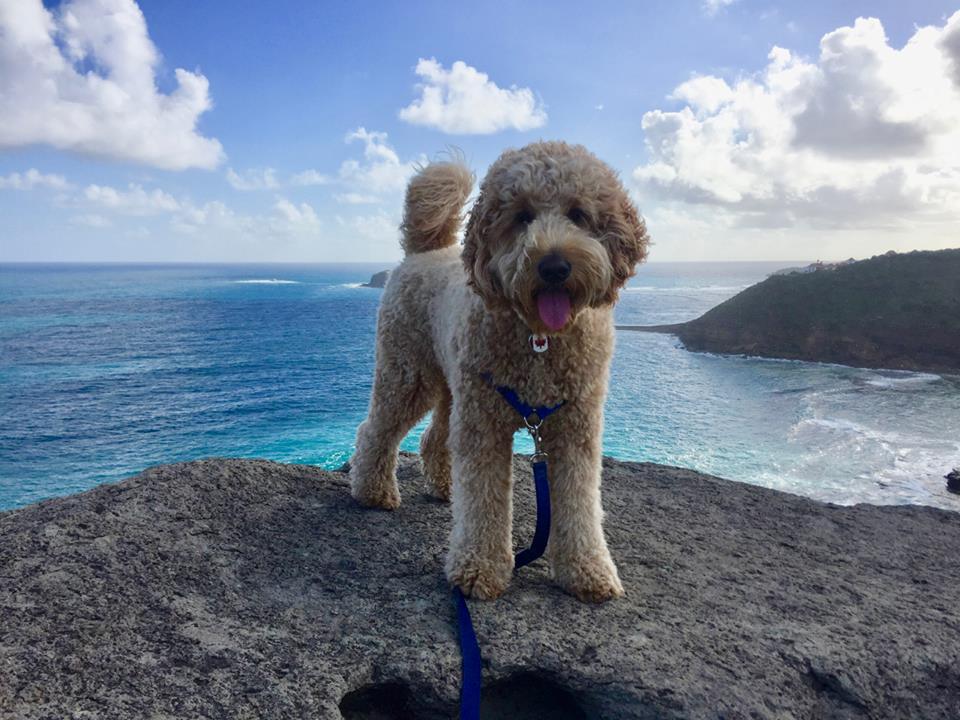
x,y
301,214
705,92
355,199
865,136
309,177
190,219
287,223
132,201
83,78
92,220
253,179
381,170
465,101
380,228
266,179
712,7
380,175
32,178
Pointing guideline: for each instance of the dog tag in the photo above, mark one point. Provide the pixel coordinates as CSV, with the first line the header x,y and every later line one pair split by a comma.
x,y
539,343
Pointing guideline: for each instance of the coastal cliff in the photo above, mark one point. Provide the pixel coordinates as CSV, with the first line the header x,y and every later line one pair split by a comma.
x,y
891,311
250,589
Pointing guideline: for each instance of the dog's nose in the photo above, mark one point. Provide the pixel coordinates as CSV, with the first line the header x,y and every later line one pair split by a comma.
x,y
554,269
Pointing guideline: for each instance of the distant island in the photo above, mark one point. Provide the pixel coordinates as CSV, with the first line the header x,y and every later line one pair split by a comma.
x,y
378,280
896,311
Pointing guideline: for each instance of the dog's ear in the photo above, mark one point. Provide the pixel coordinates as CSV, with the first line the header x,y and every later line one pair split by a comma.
x,y
476,254
624,234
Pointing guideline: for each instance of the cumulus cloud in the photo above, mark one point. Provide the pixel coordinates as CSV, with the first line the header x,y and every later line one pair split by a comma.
x,y
266,179
91,220
287,223
31,179
381,170
82,77
355,199
866,135
712,7
287,220
378,175
950,44
301,214
379,230
132,201
309,177
253,179
465,101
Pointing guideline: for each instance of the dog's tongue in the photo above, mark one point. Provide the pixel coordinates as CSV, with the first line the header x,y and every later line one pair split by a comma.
x,y
554,308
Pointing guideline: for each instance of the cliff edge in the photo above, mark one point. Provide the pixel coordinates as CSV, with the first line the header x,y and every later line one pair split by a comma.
x,y
250,589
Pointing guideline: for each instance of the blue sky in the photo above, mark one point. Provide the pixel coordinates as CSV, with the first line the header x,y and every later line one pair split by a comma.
x,y
284,131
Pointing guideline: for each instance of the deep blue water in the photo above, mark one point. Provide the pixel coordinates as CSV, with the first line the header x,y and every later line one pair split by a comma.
x,y
106,370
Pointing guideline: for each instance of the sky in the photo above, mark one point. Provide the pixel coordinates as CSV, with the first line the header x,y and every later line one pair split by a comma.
x,y
184,131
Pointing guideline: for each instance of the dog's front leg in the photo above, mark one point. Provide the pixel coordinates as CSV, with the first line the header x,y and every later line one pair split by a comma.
x,y
480,559
579,558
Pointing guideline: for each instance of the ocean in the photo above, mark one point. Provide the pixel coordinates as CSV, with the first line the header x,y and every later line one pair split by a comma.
x,y
108,369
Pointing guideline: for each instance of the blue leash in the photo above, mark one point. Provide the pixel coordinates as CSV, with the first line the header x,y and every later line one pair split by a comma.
x,y
533,417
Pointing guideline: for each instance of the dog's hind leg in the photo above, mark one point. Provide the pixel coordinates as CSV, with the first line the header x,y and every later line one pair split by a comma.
x,y
434,452
400,398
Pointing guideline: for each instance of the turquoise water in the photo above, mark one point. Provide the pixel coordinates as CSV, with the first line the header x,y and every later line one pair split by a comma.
x,y
106,370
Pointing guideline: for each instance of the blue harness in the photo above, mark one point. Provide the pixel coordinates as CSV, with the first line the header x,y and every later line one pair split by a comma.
x,y
533,418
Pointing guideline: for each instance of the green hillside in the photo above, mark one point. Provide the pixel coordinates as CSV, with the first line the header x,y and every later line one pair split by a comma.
x,y
891,311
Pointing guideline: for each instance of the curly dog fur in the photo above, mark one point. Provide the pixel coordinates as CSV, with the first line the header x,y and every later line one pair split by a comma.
x,y
550,217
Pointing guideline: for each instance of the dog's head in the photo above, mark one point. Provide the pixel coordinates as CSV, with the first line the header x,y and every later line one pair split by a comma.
x,y
551,233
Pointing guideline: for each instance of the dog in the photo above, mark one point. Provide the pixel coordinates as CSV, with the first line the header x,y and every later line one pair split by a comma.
x,y
551,239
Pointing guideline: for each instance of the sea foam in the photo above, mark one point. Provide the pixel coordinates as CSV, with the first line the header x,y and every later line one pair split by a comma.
x,y
270,281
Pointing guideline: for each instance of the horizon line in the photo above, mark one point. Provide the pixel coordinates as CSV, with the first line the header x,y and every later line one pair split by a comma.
x,y
337,262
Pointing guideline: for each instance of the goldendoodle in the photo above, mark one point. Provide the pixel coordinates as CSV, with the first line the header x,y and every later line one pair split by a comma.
x,y
551,239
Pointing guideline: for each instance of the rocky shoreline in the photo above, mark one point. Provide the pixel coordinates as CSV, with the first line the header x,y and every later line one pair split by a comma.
x,y
249,589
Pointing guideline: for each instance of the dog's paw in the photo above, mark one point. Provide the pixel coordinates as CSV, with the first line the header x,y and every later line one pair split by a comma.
x,y
483,579
438,478
594,580
440,490
385,498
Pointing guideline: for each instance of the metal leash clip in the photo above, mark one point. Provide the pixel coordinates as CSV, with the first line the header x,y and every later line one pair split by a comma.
x,y
533,423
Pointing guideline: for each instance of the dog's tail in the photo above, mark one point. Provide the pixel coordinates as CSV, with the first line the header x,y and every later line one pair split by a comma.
x,y
432,210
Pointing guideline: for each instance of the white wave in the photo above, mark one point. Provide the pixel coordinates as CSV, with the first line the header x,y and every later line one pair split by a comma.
x,y
842,427
850,462
901,380
352,285
270,281
683,288
902,377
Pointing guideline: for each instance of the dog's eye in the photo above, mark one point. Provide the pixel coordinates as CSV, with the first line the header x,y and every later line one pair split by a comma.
x,y
578,216
524,217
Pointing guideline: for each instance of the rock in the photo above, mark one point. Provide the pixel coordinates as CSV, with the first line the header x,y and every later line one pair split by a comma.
x,y
250,589
953,480
378,280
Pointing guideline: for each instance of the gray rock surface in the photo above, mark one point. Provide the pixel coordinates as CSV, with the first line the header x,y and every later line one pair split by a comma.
x,y
250,589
